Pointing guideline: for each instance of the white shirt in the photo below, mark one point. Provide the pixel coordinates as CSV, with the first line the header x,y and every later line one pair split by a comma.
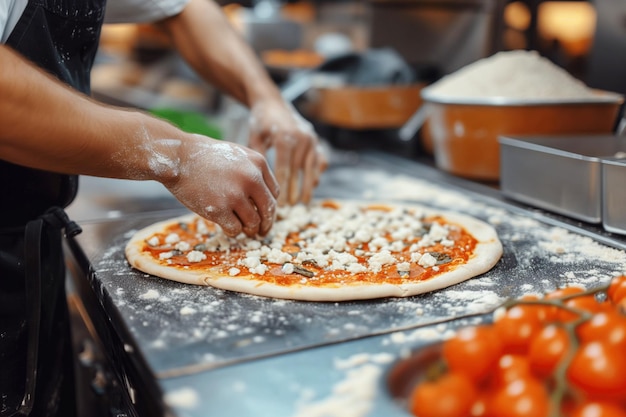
x,y
117,11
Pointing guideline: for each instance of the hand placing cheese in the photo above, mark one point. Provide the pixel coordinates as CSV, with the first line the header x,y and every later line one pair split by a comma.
x,y
226,183
299,161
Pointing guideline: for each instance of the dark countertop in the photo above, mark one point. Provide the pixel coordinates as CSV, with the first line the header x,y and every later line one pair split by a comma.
x,y
218,353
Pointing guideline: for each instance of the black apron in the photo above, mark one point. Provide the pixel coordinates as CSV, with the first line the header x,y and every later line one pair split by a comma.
x,y
36,365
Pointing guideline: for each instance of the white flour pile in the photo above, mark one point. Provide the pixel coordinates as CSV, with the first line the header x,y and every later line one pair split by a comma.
x,y
513,74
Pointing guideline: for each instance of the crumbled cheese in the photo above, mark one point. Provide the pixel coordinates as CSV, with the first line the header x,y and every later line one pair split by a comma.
x,y
415,257
182,246
427,260
172,238
277,256
259,269
397,246
166,255
234,271
327,236
287,268
437,232
362,235
403,267
201,227
251,262
153,241
345,258
252,244
196,256
378,243
356,268
378,260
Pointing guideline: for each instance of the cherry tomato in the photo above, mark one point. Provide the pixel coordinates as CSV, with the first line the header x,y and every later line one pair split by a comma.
x,y
556,313
617,289
598,409
473,351
520,398
511,368
515,328
452,395
607,327
588,303
564,292
547,349
620,294
599,370
480,407
540,310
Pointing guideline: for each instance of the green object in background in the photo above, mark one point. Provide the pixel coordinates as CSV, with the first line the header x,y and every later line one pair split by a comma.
x,y
189,121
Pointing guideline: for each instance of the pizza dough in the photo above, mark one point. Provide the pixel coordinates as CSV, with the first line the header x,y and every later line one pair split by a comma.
x,y
328,251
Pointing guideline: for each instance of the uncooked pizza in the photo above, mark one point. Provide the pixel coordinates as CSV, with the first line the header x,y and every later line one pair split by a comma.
x,y
329,250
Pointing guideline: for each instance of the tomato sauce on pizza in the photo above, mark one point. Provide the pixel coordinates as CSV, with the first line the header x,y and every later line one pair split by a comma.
x,y
187,245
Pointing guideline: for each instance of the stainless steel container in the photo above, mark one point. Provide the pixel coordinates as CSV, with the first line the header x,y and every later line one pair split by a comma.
x,y
561,174
614,194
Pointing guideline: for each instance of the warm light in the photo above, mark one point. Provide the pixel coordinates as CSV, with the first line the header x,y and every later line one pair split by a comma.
x,y
118,37
571,23
517,16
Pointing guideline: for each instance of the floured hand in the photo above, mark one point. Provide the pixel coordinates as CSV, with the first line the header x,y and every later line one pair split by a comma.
x,y
299,159
226,183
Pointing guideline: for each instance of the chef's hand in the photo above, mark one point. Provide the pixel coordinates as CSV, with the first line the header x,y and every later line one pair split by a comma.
x,y
226,183
299,158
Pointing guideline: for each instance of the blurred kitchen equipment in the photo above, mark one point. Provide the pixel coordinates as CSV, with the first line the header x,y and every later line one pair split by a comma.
x,y
264,28
189,121
359,100
331,72
357,107
448,34
563,174
374,67
621,127
413,124
464,133
607,61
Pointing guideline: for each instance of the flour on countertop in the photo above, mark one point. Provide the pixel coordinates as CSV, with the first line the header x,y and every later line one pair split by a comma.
x,y
150,295
354,395
185,311
186,398
537,258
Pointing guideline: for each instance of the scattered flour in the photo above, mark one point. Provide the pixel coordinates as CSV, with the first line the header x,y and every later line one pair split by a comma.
x,y
363,358
150,295
186,311
354,395
186,398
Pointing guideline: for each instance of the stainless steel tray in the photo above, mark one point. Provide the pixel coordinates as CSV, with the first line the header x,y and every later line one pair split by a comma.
x,y
614,194
560,174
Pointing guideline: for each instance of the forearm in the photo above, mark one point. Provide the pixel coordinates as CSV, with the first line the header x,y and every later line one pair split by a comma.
x,y
205,38
46,125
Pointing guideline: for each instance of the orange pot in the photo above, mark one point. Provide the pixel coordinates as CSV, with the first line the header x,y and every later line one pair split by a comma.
x,y
357,107
464,134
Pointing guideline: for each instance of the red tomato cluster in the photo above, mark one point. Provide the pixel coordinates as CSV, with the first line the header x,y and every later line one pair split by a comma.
x,y
563,355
